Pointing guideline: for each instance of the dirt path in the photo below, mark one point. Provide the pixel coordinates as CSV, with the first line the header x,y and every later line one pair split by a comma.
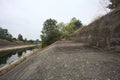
x,y
66,60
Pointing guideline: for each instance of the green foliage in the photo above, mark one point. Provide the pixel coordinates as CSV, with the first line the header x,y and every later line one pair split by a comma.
x,y
20,37
9,37
4,34
25,40
69,28
114,4
14,39
62,29
31,41
50,32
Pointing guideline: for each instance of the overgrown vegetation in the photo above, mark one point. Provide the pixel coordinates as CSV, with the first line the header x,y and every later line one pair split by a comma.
x,y
53,31
114,4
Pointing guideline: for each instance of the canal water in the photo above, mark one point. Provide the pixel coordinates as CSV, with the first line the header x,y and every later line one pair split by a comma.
x,y
7,57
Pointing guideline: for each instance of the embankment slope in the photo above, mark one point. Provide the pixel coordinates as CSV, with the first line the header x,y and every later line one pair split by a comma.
x,y
103,32
67,60
6,43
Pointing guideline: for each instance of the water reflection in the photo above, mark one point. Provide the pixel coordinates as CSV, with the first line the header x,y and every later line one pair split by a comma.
x,y
9,56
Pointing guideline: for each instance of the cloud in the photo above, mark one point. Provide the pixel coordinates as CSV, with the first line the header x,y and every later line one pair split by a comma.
x,y
27,16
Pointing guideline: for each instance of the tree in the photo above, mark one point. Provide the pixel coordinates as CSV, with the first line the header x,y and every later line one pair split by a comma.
x,y
31,41
62,29
114,4
50,32
14,39
3,33
20,37
9,37
73,25
25,40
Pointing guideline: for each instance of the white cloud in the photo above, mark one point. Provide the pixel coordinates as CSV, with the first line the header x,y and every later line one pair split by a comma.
x,y
27,16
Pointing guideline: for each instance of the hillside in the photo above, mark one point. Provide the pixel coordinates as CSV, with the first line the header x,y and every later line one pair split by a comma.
x,y
6,43
103,32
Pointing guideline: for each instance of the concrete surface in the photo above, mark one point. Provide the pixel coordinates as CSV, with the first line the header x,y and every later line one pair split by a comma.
x,y
66,60
15,47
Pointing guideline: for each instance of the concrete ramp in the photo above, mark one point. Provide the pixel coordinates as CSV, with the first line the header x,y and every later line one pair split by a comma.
x,y
67,60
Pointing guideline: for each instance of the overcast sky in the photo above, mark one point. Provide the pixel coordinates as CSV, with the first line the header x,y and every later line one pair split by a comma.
x,y
27,16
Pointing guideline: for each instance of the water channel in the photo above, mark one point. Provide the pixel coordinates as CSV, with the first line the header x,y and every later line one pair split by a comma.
x,y
7,57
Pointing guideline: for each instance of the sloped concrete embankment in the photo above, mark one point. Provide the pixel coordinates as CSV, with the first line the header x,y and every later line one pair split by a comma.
x,y
103,32
66,60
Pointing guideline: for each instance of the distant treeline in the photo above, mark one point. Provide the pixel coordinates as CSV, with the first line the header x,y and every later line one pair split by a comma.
x,y
4,34
53,31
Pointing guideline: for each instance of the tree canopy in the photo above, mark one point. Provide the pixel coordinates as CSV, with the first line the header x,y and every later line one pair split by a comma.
x,y
73,25
53,31
50,32
4,34
20,37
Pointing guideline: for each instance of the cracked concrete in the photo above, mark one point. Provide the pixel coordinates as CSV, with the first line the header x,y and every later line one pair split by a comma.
x,y
67,60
